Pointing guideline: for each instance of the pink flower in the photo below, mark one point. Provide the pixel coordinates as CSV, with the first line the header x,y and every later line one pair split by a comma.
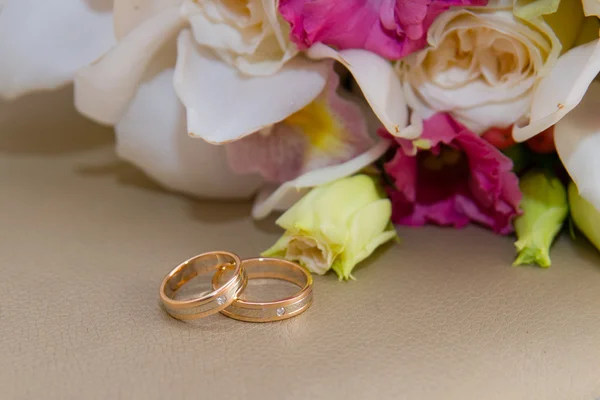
x,y
390,28
450,176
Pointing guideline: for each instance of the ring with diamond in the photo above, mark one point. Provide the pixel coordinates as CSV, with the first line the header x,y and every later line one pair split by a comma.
x,y
270,268
205,304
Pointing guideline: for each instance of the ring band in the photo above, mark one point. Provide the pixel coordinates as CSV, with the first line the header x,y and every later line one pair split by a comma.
x,y
271,268
218,299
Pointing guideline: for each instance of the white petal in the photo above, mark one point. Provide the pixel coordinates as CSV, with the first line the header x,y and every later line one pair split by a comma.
x,y
577,138
128,14
282,197
472,94
493,115
103,90
43,43
561,90
245,34
591,7
378,82
152,136
224,105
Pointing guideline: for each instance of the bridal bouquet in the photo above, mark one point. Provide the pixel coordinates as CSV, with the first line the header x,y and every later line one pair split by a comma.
x,y
349,116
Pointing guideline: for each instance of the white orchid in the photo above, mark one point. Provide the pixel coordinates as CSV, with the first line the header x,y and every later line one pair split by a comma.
x,y
236,71
215,70
43,43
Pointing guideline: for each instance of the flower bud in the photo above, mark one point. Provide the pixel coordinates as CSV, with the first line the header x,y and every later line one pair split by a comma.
x,y
545,208
335,226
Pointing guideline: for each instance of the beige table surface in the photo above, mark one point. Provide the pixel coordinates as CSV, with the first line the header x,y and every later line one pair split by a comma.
x,y
85,241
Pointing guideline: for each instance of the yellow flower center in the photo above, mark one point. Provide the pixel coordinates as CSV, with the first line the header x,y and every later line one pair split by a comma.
x,y
317,123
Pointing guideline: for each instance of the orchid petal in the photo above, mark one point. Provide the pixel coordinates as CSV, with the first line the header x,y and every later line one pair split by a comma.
x,y
103,90
43,43
378,82
152,135
278,155
128,14
577,138
223,105
284,196
329,131
561,90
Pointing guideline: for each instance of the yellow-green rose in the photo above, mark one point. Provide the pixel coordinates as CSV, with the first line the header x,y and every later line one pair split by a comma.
x,y
335,226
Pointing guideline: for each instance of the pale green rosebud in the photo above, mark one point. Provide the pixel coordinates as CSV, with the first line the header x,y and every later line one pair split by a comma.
x,y
335,226
585,216
545,209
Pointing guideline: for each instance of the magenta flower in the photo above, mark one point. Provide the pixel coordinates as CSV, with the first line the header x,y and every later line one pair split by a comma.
x,y
390,28
450,176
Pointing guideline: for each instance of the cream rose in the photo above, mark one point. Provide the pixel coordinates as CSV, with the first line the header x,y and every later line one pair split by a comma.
x,y
481,66
249,35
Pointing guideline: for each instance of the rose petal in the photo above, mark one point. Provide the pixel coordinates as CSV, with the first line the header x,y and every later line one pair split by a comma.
x,y
577,138
492,115
561,91
238,40
103,90
152,135
224,105
591,7
378,82
43,43
528,9
282,197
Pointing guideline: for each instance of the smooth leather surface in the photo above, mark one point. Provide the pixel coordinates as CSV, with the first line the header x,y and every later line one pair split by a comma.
x,y
85,241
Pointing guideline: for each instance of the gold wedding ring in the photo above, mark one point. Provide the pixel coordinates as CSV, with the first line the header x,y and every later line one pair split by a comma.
x,y
270,268
218,299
